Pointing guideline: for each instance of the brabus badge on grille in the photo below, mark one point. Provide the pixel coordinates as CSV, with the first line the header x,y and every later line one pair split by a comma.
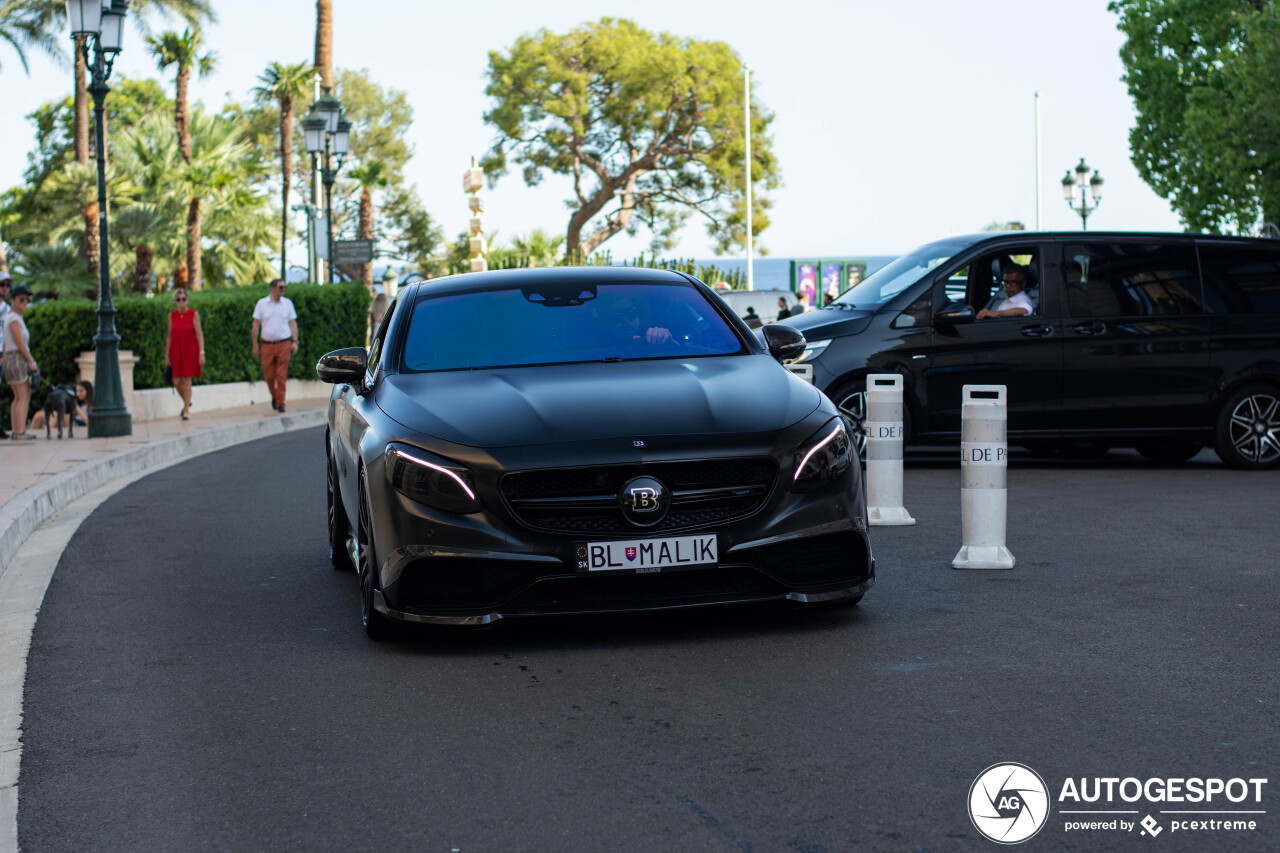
x,y
637,443
644,501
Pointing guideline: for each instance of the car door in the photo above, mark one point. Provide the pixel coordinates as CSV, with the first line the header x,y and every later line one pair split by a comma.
x,y
1023,353
1135,337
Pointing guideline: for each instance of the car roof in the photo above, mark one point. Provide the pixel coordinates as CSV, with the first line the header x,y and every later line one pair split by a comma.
x,y
1093,236
532,277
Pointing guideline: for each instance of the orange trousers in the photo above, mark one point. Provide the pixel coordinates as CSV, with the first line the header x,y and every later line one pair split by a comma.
x,y
275,368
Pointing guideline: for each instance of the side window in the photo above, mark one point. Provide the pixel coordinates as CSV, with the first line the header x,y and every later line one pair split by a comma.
x,y
956,285
1131,280
986,283
1241,281
375,347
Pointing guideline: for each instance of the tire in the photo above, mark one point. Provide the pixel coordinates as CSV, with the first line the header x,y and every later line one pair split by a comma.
x,y
376,626
1169,452
1247,433
339,526
851,399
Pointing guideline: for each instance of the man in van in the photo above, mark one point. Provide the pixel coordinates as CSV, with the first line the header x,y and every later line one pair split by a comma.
x,y
1016,302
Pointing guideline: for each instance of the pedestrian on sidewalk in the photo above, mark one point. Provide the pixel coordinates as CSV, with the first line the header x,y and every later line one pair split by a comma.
x,y
184,348
277,320
5,281
18,365
80,417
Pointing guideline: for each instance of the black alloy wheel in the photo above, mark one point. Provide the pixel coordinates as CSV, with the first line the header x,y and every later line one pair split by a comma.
x,y
851,399
376,626
1169,452
1248,428
338,524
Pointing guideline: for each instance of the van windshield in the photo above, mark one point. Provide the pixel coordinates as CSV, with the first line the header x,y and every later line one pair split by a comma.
x,y
893,278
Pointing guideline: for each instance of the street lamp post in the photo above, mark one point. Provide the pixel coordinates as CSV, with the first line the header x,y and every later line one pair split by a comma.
x,y
102,25
327,134
1083,187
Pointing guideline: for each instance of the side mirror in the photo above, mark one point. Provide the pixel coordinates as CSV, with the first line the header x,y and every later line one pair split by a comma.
x,y
784,343
954,314
342,366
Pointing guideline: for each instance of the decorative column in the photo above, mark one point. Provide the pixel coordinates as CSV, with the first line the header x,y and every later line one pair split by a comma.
x,y
472,182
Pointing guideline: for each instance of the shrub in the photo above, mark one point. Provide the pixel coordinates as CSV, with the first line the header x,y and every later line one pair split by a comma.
x,y
329,317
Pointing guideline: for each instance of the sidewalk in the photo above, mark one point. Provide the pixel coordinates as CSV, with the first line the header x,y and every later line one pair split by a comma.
x,y
37,478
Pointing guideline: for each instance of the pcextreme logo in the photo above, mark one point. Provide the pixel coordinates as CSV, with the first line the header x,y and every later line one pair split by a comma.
x,y
1009,803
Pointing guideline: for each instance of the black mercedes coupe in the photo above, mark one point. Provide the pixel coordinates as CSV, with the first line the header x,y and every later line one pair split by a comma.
x,y
579,440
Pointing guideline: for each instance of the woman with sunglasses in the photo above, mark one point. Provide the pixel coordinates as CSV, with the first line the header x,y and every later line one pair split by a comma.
x,y
184,348
18,365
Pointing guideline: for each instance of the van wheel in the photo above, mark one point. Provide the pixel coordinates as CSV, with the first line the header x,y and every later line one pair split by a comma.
x,y
1169,452
1248,429
851,399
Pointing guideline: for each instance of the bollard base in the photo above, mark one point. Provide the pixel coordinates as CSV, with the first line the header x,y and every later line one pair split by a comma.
x,y
888,516
983,557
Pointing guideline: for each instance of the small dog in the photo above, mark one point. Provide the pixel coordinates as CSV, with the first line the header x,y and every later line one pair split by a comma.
x,y
61,401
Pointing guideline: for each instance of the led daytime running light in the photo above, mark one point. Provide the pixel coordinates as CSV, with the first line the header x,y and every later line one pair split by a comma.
x,y
434,467
815,449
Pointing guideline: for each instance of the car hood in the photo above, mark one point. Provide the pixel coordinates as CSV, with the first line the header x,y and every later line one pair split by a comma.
x,y
505,407
830,322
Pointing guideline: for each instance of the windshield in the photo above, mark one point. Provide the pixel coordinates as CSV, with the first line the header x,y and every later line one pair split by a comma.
x,y
560,323
891,279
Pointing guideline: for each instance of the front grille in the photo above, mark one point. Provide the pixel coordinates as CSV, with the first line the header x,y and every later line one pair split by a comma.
x,y
611,592
584,500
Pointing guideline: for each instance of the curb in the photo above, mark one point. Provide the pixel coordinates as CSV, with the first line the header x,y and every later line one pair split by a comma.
x,y
31,507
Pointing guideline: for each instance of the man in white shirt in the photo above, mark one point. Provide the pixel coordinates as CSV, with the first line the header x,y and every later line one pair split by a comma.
x,y
276,318
1016,302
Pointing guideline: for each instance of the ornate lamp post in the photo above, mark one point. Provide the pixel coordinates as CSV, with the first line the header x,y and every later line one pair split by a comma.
x,y
327,134
1087,187
103,29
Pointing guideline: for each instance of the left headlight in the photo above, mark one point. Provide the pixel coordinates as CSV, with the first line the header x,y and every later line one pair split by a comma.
x,y
430,480
824,456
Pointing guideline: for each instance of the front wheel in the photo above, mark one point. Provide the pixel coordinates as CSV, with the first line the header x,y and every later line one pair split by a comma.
x,y
338,524
376,626
1247,434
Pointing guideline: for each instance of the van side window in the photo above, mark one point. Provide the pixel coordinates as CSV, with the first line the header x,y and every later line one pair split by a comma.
x,y
1131,280
1241,281
986,281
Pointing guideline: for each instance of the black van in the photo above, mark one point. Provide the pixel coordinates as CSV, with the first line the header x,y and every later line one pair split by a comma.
x,y
1162,342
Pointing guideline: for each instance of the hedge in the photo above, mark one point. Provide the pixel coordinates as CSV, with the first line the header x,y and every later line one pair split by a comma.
x,y
329,317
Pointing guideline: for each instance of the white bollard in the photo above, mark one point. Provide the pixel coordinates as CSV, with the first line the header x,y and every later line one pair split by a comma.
x,y
984,496
884,451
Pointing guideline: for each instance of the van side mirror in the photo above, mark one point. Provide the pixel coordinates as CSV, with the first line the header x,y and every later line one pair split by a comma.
x,y
342,366
784,343
955,313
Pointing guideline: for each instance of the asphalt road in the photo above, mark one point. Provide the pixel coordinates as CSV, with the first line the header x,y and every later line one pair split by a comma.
x,y
198,680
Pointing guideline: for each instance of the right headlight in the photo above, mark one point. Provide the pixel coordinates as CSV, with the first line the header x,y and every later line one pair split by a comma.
x,y
430,479
824,456
812,350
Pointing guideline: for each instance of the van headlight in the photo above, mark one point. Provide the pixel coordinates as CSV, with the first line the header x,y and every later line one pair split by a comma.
x,y
812,350
430,479
823,457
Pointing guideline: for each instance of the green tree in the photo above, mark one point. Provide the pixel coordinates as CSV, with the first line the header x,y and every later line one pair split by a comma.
x,y
284,85
1205,80
540,248
649,128
183,51
370,176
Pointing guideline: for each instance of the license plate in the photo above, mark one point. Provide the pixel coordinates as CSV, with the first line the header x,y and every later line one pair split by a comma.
x,y
648,555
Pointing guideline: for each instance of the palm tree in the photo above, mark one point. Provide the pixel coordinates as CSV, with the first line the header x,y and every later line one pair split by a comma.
x,y
182,50
285,84
370,176
324,42
138,228
540,248
25,24
53,269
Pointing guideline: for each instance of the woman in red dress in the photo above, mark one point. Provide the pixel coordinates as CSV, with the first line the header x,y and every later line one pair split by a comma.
x,y
184,348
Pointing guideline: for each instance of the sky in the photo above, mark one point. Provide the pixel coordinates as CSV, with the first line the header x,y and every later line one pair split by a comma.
x,y
895,123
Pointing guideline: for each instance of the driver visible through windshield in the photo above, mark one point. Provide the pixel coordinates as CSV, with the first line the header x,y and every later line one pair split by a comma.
x,y
563,324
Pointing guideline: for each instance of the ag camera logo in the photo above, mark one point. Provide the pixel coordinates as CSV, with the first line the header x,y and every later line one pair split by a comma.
x,y
1008,803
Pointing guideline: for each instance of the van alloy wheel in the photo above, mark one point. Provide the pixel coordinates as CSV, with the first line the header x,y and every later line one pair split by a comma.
x,y
1249,428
